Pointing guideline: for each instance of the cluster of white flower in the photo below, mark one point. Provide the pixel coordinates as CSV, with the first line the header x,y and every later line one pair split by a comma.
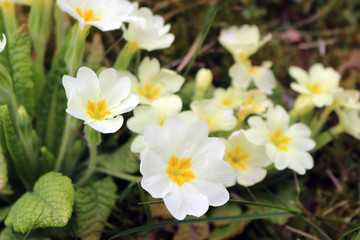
x,y
179,162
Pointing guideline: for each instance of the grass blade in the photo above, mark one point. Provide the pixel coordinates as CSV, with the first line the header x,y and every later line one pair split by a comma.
x,y
214,219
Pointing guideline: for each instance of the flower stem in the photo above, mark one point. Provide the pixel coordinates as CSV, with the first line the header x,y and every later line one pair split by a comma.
x,y
91,167
327,137
64,143
94,138
10,22
126,55
118,174
318,124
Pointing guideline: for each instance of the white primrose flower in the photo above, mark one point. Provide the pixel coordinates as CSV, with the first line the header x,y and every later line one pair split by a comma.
x,y
255,102
106,14
242,42
346,98
185,167
99,101
3,43
218,117
287,146
243,72
230,97
247,159
155,82
318,85
151,36
157,112
349,121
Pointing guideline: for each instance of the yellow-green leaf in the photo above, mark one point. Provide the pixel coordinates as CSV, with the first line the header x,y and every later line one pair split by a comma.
x,y
50,204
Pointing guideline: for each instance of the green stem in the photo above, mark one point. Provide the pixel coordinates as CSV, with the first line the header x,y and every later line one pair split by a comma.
x,y
318,124
120,175
10,22
64,143
92,165
327,137
126,55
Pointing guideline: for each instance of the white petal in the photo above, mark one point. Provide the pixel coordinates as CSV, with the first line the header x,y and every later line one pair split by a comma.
x,y
157,185
299,74
178,133
113,88
138,145
110,125
280,158
250,176
215,171
87,84
77,107
186,201
213,149
157,139
322,100
278,118
126,106
216,192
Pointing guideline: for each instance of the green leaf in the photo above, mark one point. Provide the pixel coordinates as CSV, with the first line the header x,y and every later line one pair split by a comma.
x,y
9,234
286,193
22,66
50,204
52,104
93,206
13,146
3,172
121,160
46,160
4,56
3,213
225,229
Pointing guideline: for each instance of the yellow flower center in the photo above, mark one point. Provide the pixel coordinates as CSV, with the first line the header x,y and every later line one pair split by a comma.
x,y
237,158
178,170
87,15
280,141
243,57
227,102
97,111
252,69
150,92
211,123
249,102
161,122
7,6
314,88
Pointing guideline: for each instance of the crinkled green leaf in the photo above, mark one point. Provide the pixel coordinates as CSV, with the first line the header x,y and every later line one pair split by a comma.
x,y
93,206
22,68
3,172
13,145
122,160
51,108
50,204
